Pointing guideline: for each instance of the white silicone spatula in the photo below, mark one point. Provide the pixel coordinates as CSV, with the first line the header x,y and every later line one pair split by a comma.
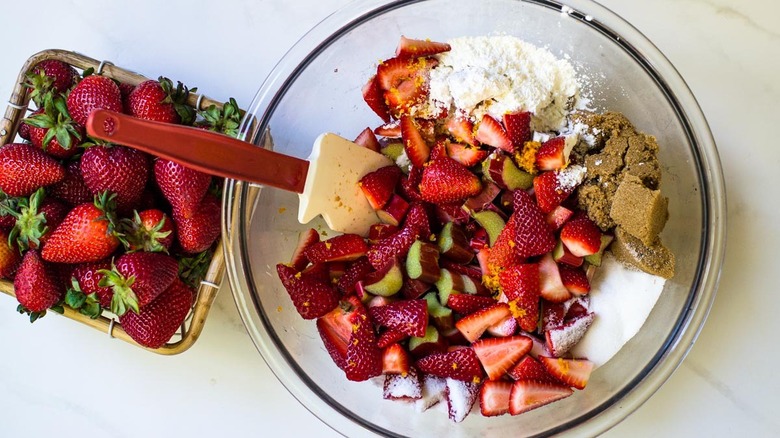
x,y
327,181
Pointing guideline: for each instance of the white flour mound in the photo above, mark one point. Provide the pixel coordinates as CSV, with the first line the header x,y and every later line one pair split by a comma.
x,y
501,74
621,299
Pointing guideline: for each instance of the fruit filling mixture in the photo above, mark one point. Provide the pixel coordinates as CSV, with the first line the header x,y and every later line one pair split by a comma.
x,y
508,232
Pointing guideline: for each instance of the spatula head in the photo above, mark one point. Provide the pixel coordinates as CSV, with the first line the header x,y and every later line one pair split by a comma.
x,y
335,167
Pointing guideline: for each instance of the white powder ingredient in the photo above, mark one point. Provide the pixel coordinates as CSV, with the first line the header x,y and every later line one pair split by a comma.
x,y
500,74
621,299
570,177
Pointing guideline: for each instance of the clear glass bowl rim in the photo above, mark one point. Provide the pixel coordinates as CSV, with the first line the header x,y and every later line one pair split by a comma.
x,y
236,209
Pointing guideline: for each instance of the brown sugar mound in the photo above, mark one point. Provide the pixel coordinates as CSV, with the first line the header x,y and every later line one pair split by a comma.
x,y
654,259
640,211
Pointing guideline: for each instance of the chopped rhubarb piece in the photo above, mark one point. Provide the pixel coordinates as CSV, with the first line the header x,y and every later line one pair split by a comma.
x,y
432,343
453,244
422,262
442,316
412,289
558,217
355,272
502,170
386,281
484,198
562,255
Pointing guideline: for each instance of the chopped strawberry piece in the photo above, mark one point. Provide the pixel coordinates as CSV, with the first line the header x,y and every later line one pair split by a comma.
x,y
529,368
574,372
434,389
462,130
549,193
409,185
503,252
484,200
558,217
397,245
375,99
551,285
407,316
402,386
389,130
394,211
520,284
465,154
563,338
553,315
415,146
368,140
445,180
299,261
490,132
439,149
575,280
462,364
494,397
460,398
529,394
472,326
577,306
379,231
518,128
413,288
345,247
404,81
552,155
312,297
470,271
452,212
355,272
581,236
533,236
379,185
498,355
395,360
466,304
408,48
390,337
507,327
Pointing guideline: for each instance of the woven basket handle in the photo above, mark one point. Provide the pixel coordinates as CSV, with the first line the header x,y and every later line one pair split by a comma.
x,y
201,150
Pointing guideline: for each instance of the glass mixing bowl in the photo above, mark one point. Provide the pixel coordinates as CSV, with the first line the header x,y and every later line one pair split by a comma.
x,y
316,88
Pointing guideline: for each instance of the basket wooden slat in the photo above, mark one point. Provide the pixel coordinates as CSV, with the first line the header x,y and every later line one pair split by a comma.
x,y
107,323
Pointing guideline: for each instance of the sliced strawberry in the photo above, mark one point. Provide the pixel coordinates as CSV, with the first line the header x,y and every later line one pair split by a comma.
x,y
378,232
408,48
379,185
460,398
462,130
345,247
529,394
553,315
472,326
577,306
390,337
533,236
313,297
549,193
397,245
465,154
402,386
518,128
581,236
349,337
574,372
503,252
520,284
404,81
550,283
575,280
415,146
407,316
552,155
393,71
563,338
375,99
494,397
395,360
504,328
389,130
558,217
498,355
368,140
434,389
490,132
466,304
445,180
462,364
529,368
355,272
307,238
409,185
439,149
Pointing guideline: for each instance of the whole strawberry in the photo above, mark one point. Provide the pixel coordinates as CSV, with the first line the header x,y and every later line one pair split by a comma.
x,y
87,233
156,323
25,168
35,287
150,230
72,189
88,277
136,279
93,92
49,77
116,169
183,187
9,257
197,233
35,220
226,120
8,205
52,129
159,101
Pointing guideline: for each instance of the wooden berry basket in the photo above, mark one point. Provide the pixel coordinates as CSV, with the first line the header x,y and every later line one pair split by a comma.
x,y
108,323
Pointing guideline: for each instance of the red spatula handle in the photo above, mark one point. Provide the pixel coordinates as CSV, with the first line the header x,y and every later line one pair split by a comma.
x,y
202,150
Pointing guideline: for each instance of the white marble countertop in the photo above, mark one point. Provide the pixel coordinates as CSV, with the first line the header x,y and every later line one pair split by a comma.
x,y
58,377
